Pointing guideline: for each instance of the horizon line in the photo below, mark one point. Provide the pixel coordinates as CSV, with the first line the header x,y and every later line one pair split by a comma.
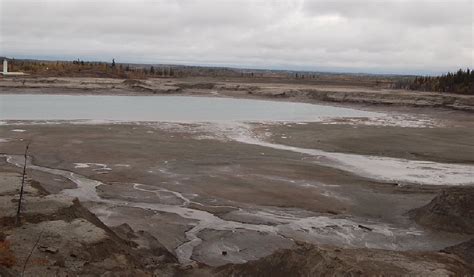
x,y
306,69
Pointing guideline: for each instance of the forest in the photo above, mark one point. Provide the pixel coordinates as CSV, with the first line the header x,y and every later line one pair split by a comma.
x,y
461,82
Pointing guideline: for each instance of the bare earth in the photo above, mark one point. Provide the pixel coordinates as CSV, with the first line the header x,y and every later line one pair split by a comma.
x,y
246,199
288,90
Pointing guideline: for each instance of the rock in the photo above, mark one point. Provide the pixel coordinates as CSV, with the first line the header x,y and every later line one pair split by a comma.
x,y
365,228
46,249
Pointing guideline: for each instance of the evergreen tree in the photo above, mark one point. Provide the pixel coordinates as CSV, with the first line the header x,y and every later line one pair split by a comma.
x,y
460,82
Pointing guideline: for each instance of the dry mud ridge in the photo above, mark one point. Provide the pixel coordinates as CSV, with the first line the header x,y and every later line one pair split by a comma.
x,y
311,260
58,236
452,210
239,87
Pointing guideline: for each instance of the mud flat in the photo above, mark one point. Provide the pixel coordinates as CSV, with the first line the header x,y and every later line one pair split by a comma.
x,y
220,198
301,91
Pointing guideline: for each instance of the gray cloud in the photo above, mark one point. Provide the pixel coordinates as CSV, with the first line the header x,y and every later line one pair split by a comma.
x,y
352,35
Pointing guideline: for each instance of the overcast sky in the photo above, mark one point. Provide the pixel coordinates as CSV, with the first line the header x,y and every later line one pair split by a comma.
x,y
386,36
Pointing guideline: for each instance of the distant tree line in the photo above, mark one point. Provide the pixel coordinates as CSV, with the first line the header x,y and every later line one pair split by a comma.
x,y
80,68
461,82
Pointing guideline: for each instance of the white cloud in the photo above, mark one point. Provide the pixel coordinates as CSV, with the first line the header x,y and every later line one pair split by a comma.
x,y
355,35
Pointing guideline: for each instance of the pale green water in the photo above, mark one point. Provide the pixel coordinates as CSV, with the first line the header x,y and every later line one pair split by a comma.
x,y
163,108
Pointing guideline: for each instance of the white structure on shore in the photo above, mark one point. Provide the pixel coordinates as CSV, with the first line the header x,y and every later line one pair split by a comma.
x,y
5,70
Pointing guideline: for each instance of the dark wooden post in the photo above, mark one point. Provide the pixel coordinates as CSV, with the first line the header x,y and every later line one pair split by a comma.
x,y
18,212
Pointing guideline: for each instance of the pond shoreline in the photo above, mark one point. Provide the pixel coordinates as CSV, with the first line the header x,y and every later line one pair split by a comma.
x,y
306,93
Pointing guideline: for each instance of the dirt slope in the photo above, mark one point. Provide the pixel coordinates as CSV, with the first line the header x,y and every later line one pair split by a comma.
x,y
451,210
310,260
